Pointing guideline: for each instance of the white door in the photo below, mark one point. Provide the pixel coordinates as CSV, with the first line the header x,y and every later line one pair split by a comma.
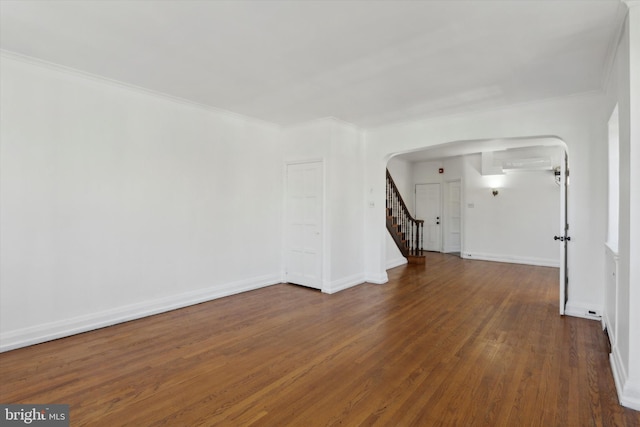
x,y
453,217
303,240
428,209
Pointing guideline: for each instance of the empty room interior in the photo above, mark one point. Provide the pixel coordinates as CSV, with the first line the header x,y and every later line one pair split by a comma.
x,y
321,212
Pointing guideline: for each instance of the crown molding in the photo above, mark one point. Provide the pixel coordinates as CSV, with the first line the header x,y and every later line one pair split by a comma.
x,y
122,85
612,50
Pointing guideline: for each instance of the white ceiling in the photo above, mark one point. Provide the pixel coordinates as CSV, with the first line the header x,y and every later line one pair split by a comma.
x,y
516,147
364,62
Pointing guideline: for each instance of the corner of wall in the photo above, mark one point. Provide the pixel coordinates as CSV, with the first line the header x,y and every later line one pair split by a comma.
x,y
378,279
628,391
342,284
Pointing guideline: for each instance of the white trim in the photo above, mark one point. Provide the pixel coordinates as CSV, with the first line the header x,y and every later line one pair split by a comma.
x,y
344,283
612,49
581,309
606,316
614,255
543,262
96,78
397,262
630,396
617,368
446,215
628,392
378,279
64,328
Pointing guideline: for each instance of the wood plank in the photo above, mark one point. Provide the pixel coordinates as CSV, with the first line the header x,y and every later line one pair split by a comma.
x,y
448,342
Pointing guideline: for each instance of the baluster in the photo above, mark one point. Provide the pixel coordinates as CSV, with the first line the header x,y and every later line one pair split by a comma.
x,y
408,226
386,202
413,235
394,208
413,238
398,212
410,234
393,204
390,199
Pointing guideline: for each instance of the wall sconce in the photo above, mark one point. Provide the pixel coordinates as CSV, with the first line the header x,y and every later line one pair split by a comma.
x,y
494,191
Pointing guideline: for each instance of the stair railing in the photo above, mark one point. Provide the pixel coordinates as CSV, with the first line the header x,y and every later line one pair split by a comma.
x,y
406,231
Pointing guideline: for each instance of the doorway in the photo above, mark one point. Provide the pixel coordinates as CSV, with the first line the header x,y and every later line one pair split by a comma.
x,y
303,217
459,194
428,208
453,217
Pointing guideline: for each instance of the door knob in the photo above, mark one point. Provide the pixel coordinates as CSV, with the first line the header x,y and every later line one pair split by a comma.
x,y
561,238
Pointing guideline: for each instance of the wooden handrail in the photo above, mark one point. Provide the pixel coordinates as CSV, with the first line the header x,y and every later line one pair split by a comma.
x,y
406,231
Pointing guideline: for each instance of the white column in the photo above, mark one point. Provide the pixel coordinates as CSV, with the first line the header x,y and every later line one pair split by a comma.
x,y
631,390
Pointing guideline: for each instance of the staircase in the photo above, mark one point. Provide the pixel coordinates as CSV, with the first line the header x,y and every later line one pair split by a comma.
x,y
405,230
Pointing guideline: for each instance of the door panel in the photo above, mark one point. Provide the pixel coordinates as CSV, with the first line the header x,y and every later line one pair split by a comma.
x,y
428,209
303,243
453,217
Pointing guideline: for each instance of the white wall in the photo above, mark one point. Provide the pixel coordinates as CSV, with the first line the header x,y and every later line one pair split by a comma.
x,y
632,395
427,173
518,224
570,120
346,206
623,293
339,146
118,203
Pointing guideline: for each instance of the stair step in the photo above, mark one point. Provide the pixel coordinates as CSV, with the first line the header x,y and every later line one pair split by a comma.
x,y
416,259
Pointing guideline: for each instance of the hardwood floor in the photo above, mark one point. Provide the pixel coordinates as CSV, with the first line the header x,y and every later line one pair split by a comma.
x,y
455,342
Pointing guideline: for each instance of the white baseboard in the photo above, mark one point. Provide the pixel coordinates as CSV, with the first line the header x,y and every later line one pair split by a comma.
x,y
396,262
377,279
344,283
584,310
628,392
64,328
511,259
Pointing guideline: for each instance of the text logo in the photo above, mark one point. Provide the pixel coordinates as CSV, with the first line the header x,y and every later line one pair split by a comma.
x,y
34,415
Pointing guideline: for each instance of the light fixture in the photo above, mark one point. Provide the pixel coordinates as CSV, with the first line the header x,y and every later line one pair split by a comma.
x,y
494,191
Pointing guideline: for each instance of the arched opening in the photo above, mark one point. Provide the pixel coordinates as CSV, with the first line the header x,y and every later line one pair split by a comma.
x,y
498,200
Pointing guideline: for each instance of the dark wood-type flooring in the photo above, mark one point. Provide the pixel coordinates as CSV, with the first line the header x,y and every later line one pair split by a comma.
x,y
455,342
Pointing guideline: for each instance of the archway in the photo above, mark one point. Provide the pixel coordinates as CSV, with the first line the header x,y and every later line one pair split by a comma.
x,y
513,198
